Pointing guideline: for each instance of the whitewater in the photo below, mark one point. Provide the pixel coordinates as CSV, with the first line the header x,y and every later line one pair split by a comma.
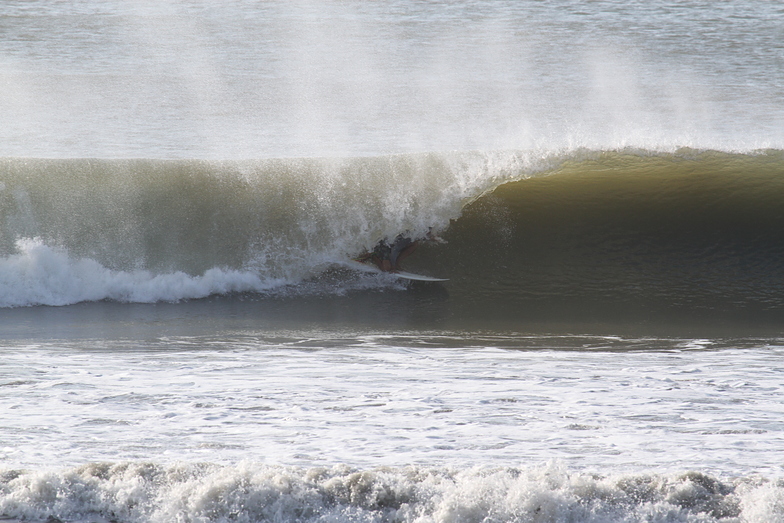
x,y
182,183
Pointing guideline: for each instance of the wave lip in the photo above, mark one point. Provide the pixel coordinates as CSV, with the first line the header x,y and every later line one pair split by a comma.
x,y
148,492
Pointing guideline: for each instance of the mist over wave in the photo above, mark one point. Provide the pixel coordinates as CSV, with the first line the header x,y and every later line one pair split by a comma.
x,y
188,79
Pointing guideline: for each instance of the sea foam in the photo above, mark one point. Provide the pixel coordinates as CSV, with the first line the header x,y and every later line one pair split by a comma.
x,y
250,492
42,275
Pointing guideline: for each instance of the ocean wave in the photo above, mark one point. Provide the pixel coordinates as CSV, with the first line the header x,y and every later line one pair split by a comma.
x,y
681,228
150,492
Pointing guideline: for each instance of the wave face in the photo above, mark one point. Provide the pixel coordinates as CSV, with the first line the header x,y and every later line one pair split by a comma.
x,y
602,231
146,492
618,233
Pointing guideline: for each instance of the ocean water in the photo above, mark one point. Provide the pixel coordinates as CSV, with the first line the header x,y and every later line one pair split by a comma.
x,y
183,182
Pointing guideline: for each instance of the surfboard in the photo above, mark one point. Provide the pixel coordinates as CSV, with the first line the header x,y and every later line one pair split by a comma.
x,y
366,267
415,277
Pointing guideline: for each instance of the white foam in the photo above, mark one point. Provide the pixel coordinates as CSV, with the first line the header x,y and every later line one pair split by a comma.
x,y
149,493
43,275
332,421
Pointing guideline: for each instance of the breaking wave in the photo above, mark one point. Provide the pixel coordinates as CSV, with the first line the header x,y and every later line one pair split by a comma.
x,y
146,492
683,228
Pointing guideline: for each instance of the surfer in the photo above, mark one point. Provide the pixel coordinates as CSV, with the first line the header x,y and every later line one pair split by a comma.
x,y
389,258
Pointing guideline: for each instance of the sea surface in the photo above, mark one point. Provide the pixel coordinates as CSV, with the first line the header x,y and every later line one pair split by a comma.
x,y
183,183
